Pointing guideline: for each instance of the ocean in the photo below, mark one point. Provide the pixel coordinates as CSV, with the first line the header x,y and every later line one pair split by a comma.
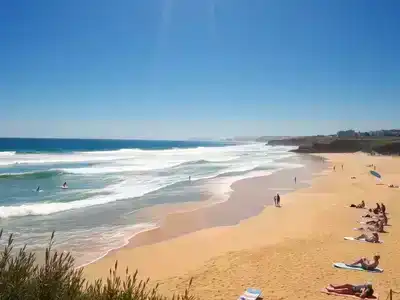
x,y
110,182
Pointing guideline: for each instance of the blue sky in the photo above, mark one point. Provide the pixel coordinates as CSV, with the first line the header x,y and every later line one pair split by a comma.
x,y
186,68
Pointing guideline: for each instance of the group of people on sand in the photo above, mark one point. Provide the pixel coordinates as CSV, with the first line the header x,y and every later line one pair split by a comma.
x,y
379,220
376,225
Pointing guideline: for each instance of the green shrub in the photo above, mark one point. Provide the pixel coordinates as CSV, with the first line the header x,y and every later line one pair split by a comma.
x,y
21,278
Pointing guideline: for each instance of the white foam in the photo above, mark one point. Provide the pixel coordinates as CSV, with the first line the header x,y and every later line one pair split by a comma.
x,y
216,162
7,153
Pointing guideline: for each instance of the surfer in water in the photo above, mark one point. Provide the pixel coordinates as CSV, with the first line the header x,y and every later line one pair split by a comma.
x,y
65,185
38,188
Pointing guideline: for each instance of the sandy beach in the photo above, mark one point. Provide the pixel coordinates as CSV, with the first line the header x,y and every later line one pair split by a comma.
x,y
286,252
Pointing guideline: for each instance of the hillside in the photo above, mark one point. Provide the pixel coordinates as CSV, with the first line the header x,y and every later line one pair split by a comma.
x,y
328,144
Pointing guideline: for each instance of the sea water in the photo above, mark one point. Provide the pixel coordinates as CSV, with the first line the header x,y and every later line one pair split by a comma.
x,y
110,182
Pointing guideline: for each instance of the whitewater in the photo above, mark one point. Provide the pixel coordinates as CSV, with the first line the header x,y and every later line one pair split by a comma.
x,y
107,188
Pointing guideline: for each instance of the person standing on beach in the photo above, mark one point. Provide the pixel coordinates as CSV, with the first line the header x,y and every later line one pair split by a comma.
x,y
278,200
295,180
334,168
342,167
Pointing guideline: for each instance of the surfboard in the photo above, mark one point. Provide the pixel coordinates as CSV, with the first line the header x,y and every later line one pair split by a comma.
x,y
64,187
376,174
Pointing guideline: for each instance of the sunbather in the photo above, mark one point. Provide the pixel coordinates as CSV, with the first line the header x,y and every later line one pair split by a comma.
x,y
383,218
361,205
362,291
370,239
366,264
377,208
383,208
378,227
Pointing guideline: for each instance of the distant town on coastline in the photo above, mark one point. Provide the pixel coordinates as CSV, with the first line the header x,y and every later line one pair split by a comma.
x,y
383,132
385,141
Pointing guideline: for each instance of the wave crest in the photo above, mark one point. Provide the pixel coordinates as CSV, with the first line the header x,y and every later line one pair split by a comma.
x,y
31,175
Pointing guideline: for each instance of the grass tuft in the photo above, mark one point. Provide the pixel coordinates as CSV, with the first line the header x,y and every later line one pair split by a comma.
x,y
21,278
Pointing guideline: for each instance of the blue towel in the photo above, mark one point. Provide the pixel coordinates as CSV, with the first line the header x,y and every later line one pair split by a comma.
x,y
341,265
250,294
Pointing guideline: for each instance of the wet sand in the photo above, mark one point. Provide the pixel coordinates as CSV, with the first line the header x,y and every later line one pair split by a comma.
x,y
287,252
248,199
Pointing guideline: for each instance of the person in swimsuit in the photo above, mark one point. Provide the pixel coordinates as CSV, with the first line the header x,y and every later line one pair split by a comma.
x,y
278,200
65,184
378,227
362,290
370,239
383,208
365,263
383,218
38,188
361,205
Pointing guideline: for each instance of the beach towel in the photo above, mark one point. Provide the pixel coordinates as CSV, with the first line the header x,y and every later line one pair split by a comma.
x,y
350,238
250,294
350,296
341,265
368,229
356,207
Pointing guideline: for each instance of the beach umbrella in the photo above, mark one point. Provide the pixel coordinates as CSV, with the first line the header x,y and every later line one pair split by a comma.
x,y
376,174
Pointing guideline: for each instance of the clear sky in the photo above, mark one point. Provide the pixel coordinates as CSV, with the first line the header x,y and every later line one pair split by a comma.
x,y
197,68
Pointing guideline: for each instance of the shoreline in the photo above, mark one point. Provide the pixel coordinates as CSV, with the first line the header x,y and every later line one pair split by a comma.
x,y
286,252
231,212
204,214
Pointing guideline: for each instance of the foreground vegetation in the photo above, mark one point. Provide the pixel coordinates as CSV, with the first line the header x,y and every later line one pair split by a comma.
x,y
21,277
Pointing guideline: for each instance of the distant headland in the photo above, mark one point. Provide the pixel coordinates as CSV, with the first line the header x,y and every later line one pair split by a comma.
x,y
386,142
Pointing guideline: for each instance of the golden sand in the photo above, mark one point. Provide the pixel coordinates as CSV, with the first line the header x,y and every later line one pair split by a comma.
x,y
286,252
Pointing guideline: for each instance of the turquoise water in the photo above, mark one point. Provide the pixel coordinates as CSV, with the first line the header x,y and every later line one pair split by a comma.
x,y
110,182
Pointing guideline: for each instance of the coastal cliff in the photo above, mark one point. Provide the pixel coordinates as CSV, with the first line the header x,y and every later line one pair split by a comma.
x,y
329,144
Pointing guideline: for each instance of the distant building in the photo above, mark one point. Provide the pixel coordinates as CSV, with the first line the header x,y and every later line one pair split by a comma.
x,y
346,133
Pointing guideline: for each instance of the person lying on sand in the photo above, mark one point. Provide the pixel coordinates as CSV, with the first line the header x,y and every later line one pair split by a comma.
x,y
366,264
361,205
383,218
362,291
370,239
378,227
383,208
378,208
372,212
